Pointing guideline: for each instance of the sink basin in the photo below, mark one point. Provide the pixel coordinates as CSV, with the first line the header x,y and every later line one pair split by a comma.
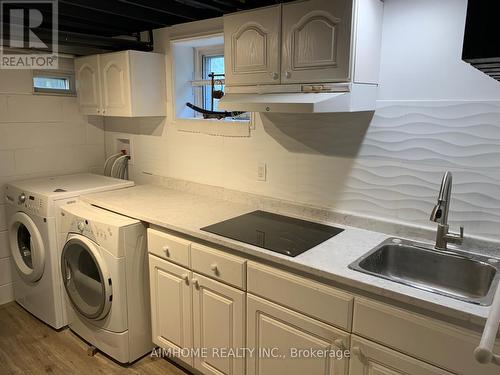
x,y
457,274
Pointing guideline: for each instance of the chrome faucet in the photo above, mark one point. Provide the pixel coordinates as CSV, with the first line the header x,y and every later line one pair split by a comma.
x,y
440,216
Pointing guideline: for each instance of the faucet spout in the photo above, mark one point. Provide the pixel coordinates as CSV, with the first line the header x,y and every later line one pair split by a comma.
x,y
440,212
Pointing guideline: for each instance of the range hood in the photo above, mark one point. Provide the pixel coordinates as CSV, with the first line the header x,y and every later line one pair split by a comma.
x,y
481,46
354,98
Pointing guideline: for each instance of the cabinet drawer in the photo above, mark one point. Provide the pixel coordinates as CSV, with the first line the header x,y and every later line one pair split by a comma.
x,y
442,344
219,265
309,297
168,247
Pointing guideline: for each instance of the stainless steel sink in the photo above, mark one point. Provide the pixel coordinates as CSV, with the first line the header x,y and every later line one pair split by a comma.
x,y
457,274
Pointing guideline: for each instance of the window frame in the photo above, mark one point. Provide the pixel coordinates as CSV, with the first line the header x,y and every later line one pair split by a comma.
x,y
62,74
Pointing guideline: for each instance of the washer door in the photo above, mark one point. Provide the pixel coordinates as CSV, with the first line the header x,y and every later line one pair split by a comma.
x,y
26,246
86,277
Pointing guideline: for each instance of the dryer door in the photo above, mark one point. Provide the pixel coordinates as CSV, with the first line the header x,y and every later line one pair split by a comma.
x,y
26,246
86,277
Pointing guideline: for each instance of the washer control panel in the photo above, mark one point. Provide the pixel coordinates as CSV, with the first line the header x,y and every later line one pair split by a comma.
x,y
27,201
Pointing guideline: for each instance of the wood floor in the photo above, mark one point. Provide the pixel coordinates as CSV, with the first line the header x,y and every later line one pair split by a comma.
x,y
28,346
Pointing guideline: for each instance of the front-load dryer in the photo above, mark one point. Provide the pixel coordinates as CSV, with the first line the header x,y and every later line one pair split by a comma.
x,y
32,208
105,274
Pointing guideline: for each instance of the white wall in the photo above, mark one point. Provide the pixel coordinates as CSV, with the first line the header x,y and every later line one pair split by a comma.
x,y
40,135
436,113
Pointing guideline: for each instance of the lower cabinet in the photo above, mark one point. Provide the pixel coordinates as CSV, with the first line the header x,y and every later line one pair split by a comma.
x,y
171,305
214,326
219,316
368,358
200,319
290,343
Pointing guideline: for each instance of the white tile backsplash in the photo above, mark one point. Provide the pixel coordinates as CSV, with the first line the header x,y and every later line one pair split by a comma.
x,y
6,293
7,162
35,108
5,271
3,218
4,244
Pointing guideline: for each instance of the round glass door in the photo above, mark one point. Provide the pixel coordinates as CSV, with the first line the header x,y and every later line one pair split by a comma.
x,y
27,248
86,278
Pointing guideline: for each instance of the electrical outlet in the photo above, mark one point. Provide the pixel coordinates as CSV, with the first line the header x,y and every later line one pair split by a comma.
x,y
262,172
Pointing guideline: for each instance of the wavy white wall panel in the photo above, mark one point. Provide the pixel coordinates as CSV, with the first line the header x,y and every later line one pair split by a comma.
x,y
407,148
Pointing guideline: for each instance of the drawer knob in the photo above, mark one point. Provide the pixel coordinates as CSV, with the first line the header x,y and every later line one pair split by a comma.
x,y
214,267
166,251
196,283
356,350
339,344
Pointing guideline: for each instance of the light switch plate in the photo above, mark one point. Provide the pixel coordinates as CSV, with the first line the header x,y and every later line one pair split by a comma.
x,y
261,172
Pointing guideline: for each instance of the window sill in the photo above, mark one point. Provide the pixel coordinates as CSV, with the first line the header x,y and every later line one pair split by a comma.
x,y
223,128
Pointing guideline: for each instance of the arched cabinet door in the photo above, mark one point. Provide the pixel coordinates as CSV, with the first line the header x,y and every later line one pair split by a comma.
x,y
252,47
88,85
316,41
115,80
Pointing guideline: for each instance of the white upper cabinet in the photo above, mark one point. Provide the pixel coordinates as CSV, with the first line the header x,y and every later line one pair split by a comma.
x,y
304,42
316,38
115,84
127,84
88,87
251,45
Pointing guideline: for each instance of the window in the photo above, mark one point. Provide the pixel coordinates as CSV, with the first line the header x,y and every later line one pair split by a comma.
x,y
194,61
54,83
212,65
210,61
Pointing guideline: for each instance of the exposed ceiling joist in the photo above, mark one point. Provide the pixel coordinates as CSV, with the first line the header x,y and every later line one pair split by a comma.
x,y
172,9
84,23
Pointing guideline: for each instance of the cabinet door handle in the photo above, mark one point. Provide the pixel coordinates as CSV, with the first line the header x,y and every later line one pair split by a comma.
x,y
274,75
339,344
185,277
196,283
166,251
356,350
288,74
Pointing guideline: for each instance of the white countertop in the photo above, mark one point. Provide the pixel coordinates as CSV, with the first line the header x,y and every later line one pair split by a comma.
x,y
187,213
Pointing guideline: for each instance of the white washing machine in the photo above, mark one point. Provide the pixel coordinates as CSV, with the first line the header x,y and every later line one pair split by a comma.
x,y
32,209
104,267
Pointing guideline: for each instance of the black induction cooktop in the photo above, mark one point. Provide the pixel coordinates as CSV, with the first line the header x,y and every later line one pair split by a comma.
x,y
282,234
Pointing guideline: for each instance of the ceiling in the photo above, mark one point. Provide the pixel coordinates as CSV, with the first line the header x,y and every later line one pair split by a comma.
x,y
94,26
